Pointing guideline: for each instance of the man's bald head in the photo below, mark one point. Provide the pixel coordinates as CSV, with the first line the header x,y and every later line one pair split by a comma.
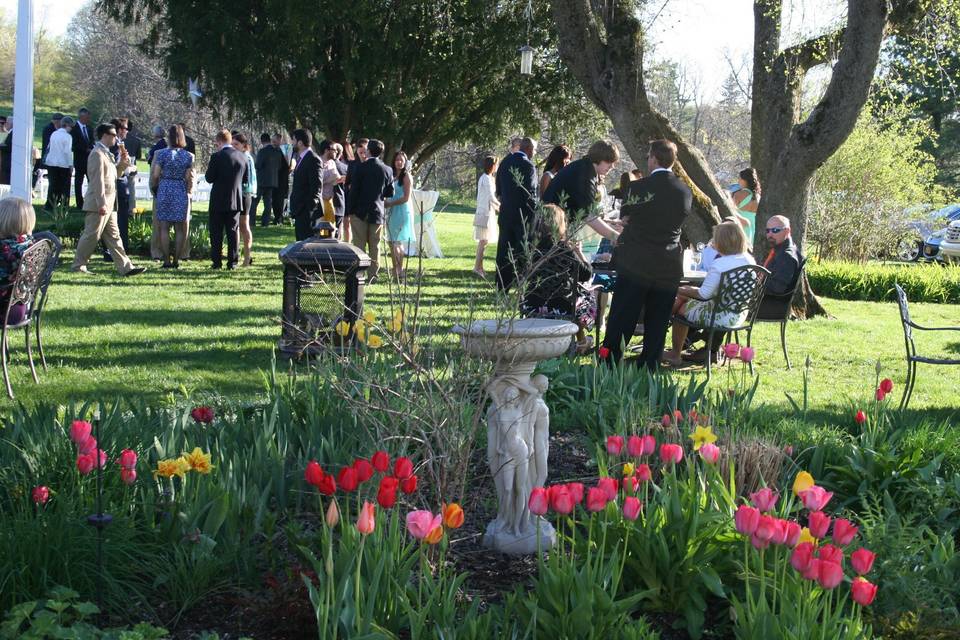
x,y
778,229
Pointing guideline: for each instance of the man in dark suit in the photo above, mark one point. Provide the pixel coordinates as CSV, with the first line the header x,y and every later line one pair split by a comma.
x,y
576,187
283,179
648,256
307,184
517,189
339,192
191,143
372,181
83,142
226,173
359,157
783,261
268,168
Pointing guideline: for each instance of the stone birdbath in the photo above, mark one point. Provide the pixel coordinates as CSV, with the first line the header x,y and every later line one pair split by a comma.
x,y
518,422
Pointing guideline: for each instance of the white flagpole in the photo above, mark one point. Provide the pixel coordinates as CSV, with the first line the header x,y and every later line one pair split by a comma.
x,y
21,169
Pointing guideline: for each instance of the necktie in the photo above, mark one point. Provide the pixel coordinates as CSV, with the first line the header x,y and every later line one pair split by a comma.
x,y
769,258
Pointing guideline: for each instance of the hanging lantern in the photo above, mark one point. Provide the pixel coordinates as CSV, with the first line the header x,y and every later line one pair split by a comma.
x,y
526,60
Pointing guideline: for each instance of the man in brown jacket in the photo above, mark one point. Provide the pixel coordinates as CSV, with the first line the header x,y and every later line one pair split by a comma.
x,y
99,203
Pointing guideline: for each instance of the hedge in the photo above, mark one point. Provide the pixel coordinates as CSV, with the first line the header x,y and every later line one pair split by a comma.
x,y
874,281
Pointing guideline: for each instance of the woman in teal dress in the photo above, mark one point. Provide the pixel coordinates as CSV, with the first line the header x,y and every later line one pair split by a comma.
x,y
747,199
400,217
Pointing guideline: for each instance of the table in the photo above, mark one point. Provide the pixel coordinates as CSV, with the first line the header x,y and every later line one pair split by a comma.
x,y
690,277
423,204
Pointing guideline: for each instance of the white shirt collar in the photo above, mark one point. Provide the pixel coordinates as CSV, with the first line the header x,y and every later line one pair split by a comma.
x,y
660,169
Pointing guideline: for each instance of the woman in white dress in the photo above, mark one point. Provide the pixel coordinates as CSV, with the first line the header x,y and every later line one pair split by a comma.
x,y
485,219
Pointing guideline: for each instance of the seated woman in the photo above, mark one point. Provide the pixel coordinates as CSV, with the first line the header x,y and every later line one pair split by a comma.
x,y
553,288
694,303
17,220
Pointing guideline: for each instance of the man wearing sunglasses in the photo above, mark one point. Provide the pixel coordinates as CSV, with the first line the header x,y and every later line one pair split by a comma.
x,y
783,259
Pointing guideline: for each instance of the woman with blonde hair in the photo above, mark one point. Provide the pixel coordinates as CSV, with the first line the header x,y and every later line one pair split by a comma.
x,y
696,303
17,220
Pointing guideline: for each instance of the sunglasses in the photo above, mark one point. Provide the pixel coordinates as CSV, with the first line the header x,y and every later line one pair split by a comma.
x,y
775,229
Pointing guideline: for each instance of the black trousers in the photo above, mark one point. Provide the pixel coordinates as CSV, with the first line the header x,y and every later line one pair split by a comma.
x,y
303,226
78,177
124,207
58,188
279,199
265,194
511,252
224,223
631,297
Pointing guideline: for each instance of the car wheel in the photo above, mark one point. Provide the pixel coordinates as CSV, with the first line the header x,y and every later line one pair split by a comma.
x,y
909,249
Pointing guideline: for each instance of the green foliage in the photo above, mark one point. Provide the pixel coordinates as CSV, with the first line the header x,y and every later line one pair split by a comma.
x,y
871,281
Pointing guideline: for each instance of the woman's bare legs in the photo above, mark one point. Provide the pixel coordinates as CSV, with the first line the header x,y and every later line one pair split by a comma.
x,y
679,337
165,242
181,231
246,235
478,265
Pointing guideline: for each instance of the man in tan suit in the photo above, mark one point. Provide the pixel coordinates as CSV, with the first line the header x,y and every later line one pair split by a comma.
x,y
99,203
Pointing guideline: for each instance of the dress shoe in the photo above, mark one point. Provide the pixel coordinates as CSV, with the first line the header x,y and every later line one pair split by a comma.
x,y
83,270
135,271
700,356
215,267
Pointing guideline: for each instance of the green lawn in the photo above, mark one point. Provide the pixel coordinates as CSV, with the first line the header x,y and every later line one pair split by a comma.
x,y
211,333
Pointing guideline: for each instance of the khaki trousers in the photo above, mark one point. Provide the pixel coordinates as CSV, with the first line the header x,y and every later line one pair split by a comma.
x,y
366,237
101,227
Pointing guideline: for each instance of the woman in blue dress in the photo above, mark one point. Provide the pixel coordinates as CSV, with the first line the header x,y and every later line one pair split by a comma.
x,y
400,216
171,176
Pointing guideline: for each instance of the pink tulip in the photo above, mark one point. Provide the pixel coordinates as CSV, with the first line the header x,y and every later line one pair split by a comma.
x,y
812,572
649,445
881,394
666,420
831,574
671,453
128,459
643,473
746,519
630,484
421,523
710,453
576,491
87,446
128,476
887,385
792,533
86,463
765,499
844,531
596,499
538,502
819,523
366,523
779,531
815,498
731,350
561,500
40,494
801,556
609,488
831,553
766,528
746,354
863,592
635,446
614,445
631,508
80,430
759,543
862,561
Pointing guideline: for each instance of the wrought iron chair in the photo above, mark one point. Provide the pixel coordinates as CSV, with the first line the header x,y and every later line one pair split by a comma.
x,y
738,294
912,358
776,308
23,295
44,285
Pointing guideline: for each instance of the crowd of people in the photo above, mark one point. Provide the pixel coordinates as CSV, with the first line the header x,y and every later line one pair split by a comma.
x,y
642,245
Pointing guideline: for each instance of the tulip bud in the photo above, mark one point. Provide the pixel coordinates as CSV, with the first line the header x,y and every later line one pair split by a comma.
x,y
860,418
40,495
333,514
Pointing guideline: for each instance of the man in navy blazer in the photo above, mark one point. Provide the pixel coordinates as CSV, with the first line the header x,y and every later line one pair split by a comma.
x,y
226,173
307,185
371,182
517,189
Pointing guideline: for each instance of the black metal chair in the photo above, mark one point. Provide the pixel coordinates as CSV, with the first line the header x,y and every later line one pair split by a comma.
x,y
738,294
44,285
912,358
23,295
776,308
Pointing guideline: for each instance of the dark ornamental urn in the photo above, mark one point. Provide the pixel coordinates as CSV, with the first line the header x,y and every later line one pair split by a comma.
x,y
323,284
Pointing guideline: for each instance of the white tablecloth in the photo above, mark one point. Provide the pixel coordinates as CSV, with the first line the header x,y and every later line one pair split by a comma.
x,y
423,203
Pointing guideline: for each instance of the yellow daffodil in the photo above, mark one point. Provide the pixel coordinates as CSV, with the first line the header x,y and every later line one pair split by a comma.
x,y
802,482
628,470
183,465
374,341
198,461
361,329
806,537
169,468
701,436
395,326
369,318
342,328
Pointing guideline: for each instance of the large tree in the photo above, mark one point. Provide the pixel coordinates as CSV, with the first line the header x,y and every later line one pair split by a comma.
x,y
417,74
603,43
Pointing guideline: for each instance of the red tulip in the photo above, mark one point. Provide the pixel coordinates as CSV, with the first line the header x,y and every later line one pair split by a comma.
x,y
860,418
746,519
576,491
792,531
538,503
614,445
765,499
630,484
86,463
363,468
40,495
831,574
801,556
747,354
604,353
631,508
759,543
313,474
387,493
202,414
666,420
347,479
819,523
671,453
887,385
766,528
844,531
812,572
635,446
881,394
609,488
561,499
381,461
643,472
80,430
710,453
596,499
815,498
862,591
649,444
677,416
779,531
862,561
403,467
327,485
87,446
128,476
128,459
831,553
408,485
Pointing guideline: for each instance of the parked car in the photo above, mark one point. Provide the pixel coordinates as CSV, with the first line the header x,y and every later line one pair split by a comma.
x,y
950,244
933,229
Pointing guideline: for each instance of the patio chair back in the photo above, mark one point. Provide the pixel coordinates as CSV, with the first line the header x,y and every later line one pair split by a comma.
x,y
51,266
905,320
26,285
738,295
777,308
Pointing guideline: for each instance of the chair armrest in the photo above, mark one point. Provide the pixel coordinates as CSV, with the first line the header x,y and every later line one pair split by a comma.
x,y
917,326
